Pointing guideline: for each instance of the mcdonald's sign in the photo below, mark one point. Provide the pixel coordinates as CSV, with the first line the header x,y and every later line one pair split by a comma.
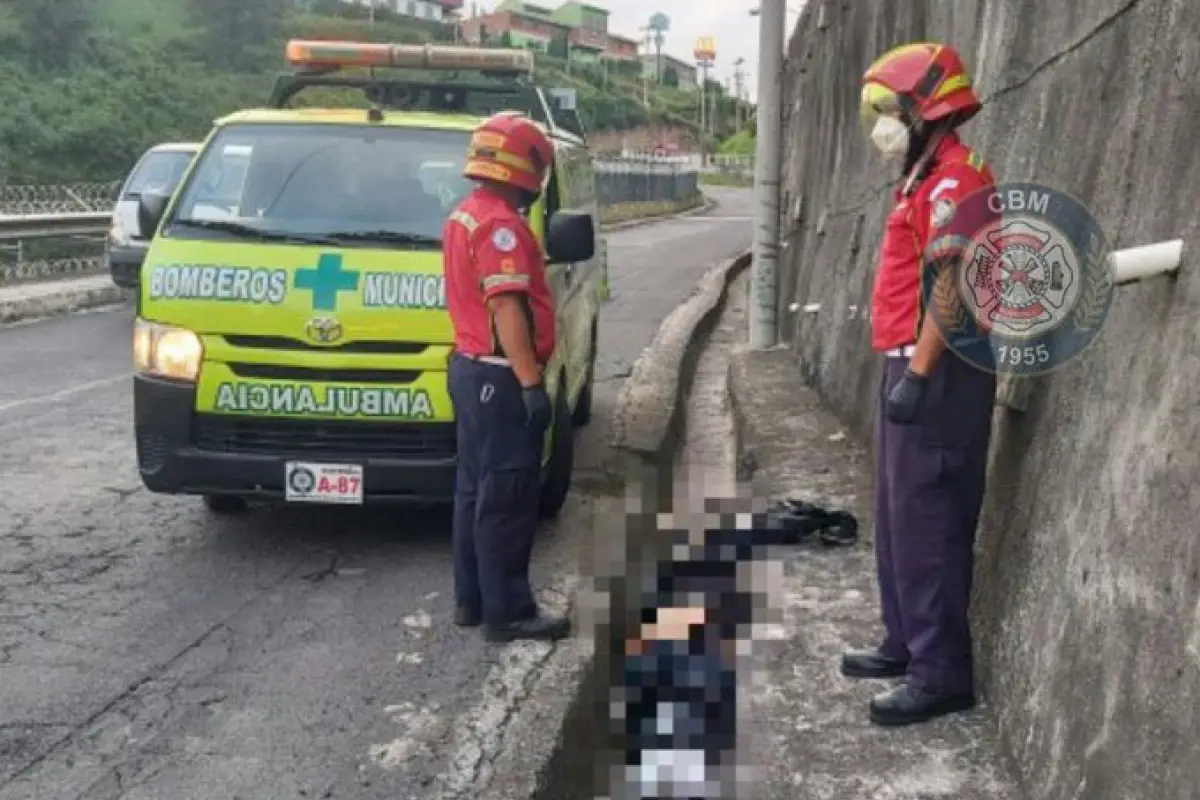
x,y
705,49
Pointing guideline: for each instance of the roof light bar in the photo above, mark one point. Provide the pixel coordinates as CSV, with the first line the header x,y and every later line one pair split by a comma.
x,y
321,54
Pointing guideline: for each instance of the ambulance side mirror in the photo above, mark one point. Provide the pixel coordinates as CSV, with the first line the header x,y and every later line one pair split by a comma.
x,y
151,207
570,237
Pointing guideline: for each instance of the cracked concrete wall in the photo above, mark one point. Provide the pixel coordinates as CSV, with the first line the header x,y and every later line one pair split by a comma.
x,y
1089,570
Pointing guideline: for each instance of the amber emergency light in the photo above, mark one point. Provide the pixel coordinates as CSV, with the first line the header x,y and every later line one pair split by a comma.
x,y
332,55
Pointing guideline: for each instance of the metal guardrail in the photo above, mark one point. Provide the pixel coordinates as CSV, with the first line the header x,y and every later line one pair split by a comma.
x,y
50,226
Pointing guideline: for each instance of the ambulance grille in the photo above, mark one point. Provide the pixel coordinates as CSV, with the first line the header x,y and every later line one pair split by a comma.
x,y
287,343
338,375
321,439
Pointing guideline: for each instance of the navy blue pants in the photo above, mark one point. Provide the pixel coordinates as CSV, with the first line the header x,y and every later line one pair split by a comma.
x,y
929,490
496,492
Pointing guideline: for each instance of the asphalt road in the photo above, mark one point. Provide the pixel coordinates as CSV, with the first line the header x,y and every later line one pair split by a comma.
x,y
149,650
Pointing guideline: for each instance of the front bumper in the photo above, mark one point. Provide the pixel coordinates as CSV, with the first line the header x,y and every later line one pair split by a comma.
x,y
181,451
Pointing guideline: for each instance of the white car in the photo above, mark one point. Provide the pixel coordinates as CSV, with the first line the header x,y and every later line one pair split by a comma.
x,y
158,170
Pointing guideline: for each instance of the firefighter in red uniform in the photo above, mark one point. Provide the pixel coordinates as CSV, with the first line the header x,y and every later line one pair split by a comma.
x,y
503,315
935,408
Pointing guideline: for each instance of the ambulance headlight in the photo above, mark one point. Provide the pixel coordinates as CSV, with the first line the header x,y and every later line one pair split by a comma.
x,y
163,351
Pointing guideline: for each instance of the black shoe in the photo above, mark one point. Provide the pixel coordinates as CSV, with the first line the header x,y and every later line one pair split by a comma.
x,y
872,664
905,705
465,617
539,628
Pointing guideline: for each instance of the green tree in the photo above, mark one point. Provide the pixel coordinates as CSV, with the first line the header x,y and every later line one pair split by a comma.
x,y
55,31
559,47
234,32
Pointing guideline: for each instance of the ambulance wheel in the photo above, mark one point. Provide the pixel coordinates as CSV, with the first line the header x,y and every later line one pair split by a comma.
x,y
225,503
557,482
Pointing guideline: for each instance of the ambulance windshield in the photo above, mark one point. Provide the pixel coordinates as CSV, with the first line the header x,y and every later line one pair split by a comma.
x,y
364,186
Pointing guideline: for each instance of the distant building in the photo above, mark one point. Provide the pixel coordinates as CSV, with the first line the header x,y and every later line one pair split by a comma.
x,y
621,48
435,10
582,26
527,25
589,29
686,72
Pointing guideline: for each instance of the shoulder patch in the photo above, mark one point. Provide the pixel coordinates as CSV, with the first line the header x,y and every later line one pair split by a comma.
x,y
504,239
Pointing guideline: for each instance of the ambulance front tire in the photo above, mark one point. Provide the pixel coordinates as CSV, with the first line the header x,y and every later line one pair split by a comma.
x,y
225,503
557,482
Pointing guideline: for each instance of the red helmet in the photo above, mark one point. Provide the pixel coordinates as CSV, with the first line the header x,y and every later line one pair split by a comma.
x,y
926,82
512,149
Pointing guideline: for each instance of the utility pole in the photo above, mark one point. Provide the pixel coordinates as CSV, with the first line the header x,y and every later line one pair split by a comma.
x,y
764,300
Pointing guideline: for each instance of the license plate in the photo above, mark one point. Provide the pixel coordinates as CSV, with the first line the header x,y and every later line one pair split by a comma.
x,y
340,484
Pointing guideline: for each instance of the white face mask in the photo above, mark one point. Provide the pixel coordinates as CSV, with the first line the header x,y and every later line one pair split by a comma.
x,y
890,135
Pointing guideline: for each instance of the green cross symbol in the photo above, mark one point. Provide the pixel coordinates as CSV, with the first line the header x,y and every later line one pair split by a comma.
x,y
326,281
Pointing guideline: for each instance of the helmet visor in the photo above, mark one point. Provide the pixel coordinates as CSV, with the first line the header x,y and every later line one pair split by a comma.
x,y
877,101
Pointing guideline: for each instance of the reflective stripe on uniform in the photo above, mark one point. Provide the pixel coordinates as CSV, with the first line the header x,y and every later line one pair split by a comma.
x,y
492,281
464,219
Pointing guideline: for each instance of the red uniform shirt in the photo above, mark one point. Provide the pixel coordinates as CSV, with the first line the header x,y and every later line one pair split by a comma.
x,y
896,302
488,249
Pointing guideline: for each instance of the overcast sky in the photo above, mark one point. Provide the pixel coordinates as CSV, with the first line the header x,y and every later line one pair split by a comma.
x,y
735,32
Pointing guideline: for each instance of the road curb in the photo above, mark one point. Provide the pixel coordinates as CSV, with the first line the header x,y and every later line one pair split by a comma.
x,y
68,301
71,300
744,461
648,405
647,424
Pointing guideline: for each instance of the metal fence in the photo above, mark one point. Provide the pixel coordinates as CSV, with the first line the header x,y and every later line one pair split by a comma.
x,y
646,180
77,247
64,199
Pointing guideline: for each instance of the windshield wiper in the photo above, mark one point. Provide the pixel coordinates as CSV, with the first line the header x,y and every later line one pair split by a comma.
x,y
387,237
250,231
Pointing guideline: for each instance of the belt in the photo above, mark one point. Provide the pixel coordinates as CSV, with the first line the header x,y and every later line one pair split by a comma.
x,y
497,361
901,352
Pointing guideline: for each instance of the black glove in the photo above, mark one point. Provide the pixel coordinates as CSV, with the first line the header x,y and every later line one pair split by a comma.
x,y
904,401
538,409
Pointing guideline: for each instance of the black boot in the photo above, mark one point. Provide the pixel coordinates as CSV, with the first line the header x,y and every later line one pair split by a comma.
x,y
538,628
906,704
465,617
872,664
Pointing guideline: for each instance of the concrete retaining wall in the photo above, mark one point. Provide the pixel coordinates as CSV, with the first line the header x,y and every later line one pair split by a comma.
x,y
1089,573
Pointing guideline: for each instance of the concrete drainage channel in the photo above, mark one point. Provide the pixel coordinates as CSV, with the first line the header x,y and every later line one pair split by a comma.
x,y
650,432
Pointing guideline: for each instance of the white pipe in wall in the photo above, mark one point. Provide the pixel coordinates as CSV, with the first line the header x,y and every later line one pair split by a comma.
x,y
1138,263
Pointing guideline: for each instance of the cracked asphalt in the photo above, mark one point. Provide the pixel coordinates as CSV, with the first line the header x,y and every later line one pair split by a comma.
x,y
149,650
